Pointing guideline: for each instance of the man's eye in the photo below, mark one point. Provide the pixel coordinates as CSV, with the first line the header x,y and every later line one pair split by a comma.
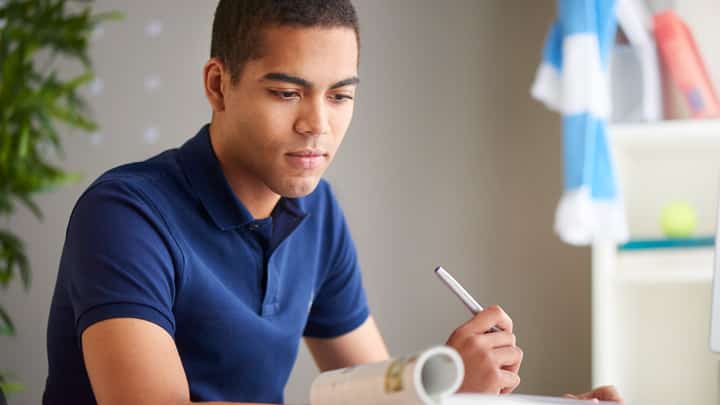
x,y
341,97
285,95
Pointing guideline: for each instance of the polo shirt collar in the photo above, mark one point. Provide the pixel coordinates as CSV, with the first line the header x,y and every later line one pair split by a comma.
x,y
210,186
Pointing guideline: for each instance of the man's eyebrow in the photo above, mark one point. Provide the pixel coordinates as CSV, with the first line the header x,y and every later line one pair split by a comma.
x,y
284,77
347,82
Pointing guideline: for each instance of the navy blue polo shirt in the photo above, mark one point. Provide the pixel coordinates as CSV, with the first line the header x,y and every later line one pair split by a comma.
x,y
166,240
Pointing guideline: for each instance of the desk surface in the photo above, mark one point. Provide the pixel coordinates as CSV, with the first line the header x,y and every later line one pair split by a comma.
x,y
512,399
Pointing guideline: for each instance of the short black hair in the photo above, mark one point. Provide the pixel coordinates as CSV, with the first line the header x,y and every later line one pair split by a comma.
x,y
238,24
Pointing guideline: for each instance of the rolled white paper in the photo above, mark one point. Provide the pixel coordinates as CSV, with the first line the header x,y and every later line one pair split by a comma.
x,y
424,378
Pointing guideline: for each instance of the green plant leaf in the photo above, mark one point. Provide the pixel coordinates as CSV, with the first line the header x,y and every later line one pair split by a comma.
x,y
12,256
6,273
107,16
24,267
10,388
77,81
48,129
35,101
23,139
5,204
30,204
7,328
72,117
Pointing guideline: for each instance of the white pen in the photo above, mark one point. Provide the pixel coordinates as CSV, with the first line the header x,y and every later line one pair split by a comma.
x,y
461,293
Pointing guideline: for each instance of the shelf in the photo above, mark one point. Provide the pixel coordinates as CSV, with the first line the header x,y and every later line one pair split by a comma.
x,y
659,162
667,243
667,129
687,133
665,266
672,277
640,288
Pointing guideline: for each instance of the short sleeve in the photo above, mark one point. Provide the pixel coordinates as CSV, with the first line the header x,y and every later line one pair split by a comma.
x,y
120,257
340,304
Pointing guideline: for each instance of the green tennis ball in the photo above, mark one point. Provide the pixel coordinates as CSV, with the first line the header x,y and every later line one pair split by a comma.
x,y
678,220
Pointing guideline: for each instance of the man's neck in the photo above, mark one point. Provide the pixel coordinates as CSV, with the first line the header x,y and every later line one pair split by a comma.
x,y
254,194
259,201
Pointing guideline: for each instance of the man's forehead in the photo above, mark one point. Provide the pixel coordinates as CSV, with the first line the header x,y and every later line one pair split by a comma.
x,y
314,53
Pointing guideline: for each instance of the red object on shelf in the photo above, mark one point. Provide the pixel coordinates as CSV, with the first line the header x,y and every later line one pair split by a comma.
x,y
681,59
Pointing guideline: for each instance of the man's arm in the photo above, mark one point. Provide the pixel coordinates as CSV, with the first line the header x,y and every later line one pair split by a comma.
x,y
135,362
362,345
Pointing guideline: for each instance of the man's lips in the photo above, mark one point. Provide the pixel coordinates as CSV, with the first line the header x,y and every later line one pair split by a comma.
x,y
307,159
308,153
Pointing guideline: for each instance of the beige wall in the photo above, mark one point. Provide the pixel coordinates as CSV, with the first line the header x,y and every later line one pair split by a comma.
x,y
448,161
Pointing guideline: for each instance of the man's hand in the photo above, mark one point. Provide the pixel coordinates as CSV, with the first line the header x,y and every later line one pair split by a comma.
x,y
605,393
492,360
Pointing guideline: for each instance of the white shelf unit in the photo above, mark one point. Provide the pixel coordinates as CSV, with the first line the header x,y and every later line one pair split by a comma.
x,y
651,307
664,266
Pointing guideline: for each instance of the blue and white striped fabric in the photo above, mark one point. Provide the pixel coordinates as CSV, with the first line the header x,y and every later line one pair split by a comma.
x,y
573,80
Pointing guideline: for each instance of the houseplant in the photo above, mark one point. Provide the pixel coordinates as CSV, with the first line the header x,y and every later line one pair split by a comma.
x,y
36,103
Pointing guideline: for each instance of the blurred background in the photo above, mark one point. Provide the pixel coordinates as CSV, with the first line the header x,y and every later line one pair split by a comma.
x,y
448,161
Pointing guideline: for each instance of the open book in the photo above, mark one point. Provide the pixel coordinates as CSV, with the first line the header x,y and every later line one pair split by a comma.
x,y
430,377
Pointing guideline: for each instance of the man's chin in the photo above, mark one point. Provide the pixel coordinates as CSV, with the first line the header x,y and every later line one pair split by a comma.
x,y
298,187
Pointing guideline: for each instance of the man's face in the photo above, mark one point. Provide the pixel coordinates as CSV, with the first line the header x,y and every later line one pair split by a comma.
x,y
286,116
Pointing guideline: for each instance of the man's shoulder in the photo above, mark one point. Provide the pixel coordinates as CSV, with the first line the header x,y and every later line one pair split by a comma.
x,y
152,182
156,169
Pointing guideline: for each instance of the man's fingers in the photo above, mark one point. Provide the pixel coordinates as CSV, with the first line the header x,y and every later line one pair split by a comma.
x,y
498,339
508,357
516,361
586,395
607,393
491,359
583,396
481,323
510,389
508,381
500,318
488,341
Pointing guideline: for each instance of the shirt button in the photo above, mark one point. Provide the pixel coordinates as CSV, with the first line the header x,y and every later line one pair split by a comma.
x,y
253,227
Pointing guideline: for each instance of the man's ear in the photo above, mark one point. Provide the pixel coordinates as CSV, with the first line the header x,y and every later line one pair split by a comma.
x,y
214,81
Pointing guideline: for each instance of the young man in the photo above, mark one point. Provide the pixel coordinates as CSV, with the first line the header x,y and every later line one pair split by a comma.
x,y
192,276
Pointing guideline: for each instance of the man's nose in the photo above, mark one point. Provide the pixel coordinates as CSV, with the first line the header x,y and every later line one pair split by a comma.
x,y
313,120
